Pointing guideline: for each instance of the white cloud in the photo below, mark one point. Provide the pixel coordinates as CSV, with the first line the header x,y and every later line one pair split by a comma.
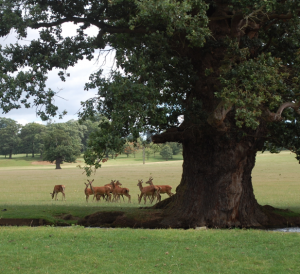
x,y
72,91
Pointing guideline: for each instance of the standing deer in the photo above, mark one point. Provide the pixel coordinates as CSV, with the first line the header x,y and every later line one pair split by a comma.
x,y
152,191
100,190
163,189
120,191
57,189
88,192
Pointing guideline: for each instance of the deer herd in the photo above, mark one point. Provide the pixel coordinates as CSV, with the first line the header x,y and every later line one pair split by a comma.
x,y
111,192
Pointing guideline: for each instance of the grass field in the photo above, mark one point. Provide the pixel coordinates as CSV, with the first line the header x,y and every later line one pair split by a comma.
x,y
24,192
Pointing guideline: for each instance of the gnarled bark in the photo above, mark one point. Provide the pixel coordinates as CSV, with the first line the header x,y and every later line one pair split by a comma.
x,y
216,188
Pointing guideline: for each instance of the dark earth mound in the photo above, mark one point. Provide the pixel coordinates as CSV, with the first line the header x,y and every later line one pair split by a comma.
x,y
148,218
22,222
277,218
119,219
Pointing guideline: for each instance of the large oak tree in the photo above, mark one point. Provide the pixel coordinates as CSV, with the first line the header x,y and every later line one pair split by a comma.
x,y
228,69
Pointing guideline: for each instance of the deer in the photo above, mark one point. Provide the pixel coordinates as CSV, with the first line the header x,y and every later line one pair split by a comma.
x,y
120,191
145,198
57,189
100,190
152,191
88,192
163,189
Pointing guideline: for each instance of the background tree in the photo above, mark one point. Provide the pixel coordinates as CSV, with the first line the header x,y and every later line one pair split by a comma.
x,y
9,139
176,147
60,145
166,152
148,152
155,148
128,148
31,138
229,69
90,126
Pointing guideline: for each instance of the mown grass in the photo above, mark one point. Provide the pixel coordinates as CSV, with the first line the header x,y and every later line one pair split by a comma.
x,y
24,192
20,160
82,250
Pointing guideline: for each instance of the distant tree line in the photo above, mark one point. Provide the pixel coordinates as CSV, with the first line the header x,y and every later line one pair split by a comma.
x,y
64,142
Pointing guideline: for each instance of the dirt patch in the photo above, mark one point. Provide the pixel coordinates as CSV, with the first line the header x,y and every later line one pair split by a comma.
x,y
43,163
67,217
280,217
22,222
119,219
46,163
277,218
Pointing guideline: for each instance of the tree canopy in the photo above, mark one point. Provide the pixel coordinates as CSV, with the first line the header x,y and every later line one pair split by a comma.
x,y
9,130
220,72
31,137
62,143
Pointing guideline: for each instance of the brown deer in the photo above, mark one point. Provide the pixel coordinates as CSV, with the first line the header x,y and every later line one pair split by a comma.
x,y
100,190
88,192
57,189
163,188
152,191
120,191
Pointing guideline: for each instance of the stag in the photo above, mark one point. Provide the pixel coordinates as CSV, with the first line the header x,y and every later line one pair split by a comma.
x,y
152,191
120,191
163,188
100,190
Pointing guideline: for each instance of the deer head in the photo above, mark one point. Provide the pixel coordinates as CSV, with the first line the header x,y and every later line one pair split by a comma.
x,y
140,182
113,183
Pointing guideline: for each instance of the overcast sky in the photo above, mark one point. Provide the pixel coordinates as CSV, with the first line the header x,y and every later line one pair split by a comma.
x,y
72,90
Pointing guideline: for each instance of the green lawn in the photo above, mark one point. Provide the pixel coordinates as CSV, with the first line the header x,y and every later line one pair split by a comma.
x,y
24,192
83,250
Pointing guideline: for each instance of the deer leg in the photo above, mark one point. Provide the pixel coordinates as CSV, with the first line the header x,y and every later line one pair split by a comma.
x,y
140,198
129,197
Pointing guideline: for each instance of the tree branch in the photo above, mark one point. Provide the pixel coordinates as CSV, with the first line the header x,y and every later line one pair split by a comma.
x,y
170,135
267,16
70,19
103,26
276,117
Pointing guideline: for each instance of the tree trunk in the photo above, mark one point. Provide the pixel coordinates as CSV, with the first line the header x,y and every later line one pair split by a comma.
x,y
58,162
216,188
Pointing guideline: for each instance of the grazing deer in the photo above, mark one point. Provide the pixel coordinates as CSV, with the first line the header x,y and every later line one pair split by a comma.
x,y
57,189
120,191
163,189
100,190
152,191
